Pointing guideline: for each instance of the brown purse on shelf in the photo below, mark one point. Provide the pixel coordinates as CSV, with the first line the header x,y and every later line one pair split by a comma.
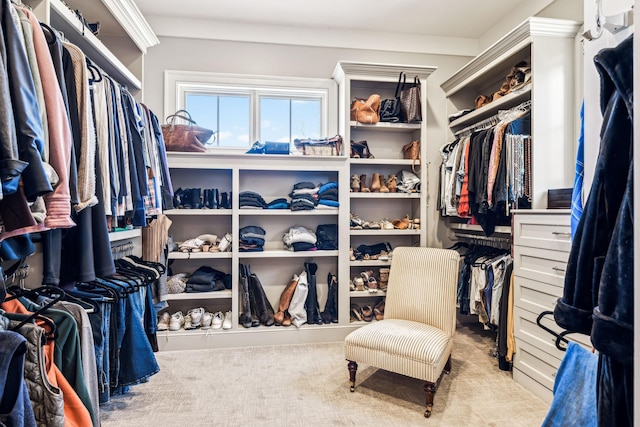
x,y
185,138
366,111
412,152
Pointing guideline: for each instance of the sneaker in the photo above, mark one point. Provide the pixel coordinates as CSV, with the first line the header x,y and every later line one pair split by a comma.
x,y
206,320
163,321
177,321
225,243
218,320
227,323
188,323
195,315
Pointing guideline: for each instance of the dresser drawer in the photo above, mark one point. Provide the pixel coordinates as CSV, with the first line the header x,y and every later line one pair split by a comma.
x,y
535,363
542,265
547,231
532,385
535,296
526,329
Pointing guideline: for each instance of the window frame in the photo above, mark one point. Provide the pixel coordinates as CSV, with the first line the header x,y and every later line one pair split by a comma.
x,y
178,83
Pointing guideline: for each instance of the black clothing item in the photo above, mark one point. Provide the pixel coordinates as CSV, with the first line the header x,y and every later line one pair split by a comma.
x,y
303,246
304,185
330,192
327,235
70,98
205,279
502,327
167,187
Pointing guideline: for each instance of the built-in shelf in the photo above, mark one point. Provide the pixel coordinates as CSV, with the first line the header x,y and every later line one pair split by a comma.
x,y
370,263
359,195
384,232
503,229
199,255
376,161
508,101
198,212
199,295
287,254
285,212
389,127
116,236
63,19
366,294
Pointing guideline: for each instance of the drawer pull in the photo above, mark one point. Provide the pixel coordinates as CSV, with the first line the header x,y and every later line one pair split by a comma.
x,y
558,269
561,233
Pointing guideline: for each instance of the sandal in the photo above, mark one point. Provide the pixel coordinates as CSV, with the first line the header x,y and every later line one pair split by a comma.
x,y
367,313
356,313
378,310
386,224
402,224
359,282
356,223
191,245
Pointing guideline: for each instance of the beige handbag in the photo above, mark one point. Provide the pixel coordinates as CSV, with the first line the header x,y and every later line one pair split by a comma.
x,y
189,137
366,111
411,151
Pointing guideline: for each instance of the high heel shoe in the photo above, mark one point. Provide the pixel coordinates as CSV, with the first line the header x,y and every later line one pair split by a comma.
x,y
391,183
363,184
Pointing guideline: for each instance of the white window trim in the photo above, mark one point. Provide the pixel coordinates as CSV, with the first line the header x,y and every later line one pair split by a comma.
x,y
176,83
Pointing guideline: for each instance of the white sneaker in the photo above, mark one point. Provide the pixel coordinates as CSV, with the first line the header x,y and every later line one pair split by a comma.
x,y
177,321
194,317
227,323
225,243
217,321
163,321
206,320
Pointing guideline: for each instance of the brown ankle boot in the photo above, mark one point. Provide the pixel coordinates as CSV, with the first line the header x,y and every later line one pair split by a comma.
x,y
384,279
391,184
375,183
383,185
363,184
285,299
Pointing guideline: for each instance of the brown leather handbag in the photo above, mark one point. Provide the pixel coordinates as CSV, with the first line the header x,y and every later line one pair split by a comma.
x,y
410,103
190,138
411,151
366,111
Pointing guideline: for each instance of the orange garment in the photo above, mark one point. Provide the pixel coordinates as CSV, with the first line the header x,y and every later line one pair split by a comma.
x,y
464,209
75,413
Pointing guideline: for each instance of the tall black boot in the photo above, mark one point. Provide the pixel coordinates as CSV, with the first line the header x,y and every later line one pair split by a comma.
x,y
326,314
177,198
213,198
333,290
264,309
311,304
223,201
245,316
193,199
206,198
255,313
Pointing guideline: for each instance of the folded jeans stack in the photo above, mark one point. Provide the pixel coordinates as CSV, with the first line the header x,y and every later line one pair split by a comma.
x,y
304,196
300,239
251,200
251,239
328,195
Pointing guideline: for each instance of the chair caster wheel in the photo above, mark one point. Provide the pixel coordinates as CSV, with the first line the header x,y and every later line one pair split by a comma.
x,y
427,413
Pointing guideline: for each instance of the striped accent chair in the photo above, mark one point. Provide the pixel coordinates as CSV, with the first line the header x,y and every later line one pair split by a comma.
x,y
416,336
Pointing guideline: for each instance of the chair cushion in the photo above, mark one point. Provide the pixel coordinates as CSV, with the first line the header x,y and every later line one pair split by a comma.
x,y
401,346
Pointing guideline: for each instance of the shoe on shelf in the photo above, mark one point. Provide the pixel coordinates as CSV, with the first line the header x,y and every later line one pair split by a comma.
x,y
367,313
384,278
191,245
218,320
225,243
193,319
177,321
355,183
359,282
227,322
163,321
383,184
356,313
207,317
363,184
378,310
392,184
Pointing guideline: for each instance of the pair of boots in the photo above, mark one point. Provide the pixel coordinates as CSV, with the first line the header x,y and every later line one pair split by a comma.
x,y
330,313
378,184
256,308
312,308
193,198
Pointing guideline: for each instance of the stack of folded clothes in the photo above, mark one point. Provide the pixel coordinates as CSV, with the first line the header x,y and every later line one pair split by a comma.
x,y
251,200
328,195
280,203
304,196
251,239
300,239
207,279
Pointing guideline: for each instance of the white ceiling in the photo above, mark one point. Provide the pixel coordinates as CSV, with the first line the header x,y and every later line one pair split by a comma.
x,y
453,18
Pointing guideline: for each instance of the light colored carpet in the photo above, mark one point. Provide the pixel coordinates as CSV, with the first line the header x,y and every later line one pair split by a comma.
x,y
308,385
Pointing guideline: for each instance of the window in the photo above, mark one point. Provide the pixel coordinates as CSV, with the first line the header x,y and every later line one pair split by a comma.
x,y
245,109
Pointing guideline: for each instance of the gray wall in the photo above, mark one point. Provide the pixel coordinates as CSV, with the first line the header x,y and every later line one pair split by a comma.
x,y
297,61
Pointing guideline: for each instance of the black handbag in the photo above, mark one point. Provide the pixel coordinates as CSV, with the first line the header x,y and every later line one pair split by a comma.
x,y
390,108
327,235
410,104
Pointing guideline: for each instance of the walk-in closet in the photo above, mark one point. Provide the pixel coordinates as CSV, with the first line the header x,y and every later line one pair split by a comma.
x,y
250,213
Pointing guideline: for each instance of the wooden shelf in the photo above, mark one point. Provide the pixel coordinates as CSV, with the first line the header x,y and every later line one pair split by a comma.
x,y
287,254
358,195
199,295
286,212
370,263
491,109
376,161
384,232
367,294
199,255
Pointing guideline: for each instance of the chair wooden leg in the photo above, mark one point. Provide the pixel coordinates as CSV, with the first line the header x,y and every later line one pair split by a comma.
x,y
430,389
447,366
353,367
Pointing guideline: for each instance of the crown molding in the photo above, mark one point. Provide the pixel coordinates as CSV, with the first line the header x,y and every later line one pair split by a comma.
x,y
383,72
133,22
514,41
196,28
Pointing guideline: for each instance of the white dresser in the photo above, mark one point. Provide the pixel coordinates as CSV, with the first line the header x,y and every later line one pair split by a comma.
x,y
542,242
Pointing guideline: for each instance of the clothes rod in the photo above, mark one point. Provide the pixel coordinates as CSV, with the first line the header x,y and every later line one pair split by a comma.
x,y
493,120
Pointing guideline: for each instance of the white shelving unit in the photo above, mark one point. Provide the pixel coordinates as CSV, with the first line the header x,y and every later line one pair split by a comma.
x,y
385,140
271,177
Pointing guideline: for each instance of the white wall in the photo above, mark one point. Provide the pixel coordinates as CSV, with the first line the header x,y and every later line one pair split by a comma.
x,y
299,61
